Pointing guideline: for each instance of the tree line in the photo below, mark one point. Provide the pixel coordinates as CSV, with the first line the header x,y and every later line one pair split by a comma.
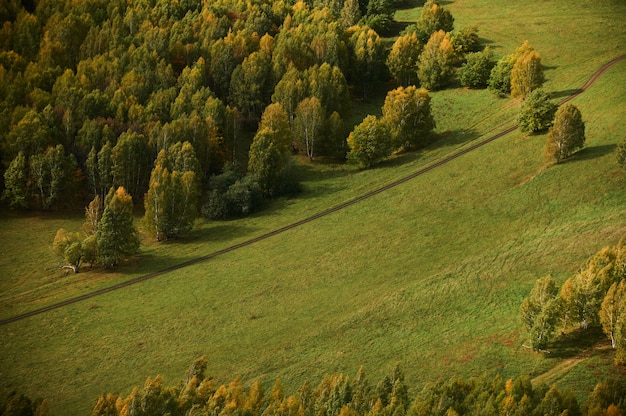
x,y
94,92
341,395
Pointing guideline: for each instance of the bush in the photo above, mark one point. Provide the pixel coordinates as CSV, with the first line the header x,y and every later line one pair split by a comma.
x,y
232,195
476,71
500,77
537,112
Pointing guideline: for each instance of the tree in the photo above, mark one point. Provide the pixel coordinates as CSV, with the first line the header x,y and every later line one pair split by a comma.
x,y
500,76
403,58
16,182
270,154
370,142
476,71
117,237
539,312
407,112
526,74
93,215
433,19
435,66
368,57
308,125
613,312
69,246
250,86
50,173
567,133
537,112
172,198
130,163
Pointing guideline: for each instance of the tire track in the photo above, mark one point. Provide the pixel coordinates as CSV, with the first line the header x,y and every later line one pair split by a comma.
x,y
420,172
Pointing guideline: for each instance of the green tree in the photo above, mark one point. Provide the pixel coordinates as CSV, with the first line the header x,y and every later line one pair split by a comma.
x,y
308,125
407,112
567,133
270,155
130,159
476,71
172,198
290,91
117,237
50,174
613,313
500,76
539,312
16,182
329,85
526,74
370,142
403,58
537,112
69,246
250,86
435,66
368,57
433,18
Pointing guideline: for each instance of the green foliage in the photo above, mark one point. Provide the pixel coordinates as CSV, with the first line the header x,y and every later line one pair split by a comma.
x,y
613,314
407,111
526,74
308,125
433,19
270,155
435,66
51,176
539,312
566,135
171,203
537,112
370,142
117,237
403,58
368,58
129,163
16,182
475,73
500,76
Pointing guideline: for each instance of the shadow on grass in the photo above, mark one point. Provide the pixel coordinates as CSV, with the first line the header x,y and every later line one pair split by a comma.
x,y
216,232
573,343
588,153
564,93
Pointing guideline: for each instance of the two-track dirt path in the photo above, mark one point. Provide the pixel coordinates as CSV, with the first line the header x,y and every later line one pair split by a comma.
x,y
435,164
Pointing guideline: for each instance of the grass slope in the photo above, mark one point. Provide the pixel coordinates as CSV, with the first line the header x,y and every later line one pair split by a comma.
x,y
428,275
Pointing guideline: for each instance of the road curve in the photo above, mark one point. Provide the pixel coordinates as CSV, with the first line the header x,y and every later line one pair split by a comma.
x,y
281,230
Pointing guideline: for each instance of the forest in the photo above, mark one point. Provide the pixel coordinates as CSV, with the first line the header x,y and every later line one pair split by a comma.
x,y
191,110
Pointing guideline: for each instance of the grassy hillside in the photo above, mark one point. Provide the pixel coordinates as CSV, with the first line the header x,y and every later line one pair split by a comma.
x,y
428,275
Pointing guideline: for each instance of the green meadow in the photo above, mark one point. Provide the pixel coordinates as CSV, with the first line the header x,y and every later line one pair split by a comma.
x,y
428,275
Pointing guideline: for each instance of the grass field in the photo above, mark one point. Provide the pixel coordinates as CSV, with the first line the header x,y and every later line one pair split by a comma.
x,y
428,275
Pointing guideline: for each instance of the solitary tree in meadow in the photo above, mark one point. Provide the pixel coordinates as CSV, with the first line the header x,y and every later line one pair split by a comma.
x,y
566,135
